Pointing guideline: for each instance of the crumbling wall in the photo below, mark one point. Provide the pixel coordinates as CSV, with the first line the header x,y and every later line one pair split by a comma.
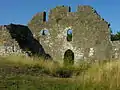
x,y
91,33
7,44
115,50
19,39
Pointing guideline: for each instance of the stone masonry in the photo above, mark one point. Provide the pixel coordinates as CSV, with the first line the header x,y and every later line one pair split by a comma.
x,y
90,34
8,45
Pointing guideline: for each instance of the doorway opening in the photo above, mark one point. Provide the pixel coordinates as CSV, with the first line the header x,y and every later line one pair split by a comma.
x,y
69,57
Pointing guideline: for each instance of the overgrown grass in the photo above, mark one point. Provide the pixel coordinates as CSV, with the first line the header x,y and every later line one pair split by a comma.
x,y
105,76
21,73
50,68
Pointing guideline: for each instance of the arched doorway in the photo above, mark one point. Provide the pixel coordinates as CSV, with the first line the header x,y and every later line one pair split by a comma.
x,y
69,57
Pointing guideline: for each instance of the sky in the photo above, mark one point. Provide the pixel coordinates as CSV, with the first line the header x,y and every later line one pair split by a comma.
x,y
21,11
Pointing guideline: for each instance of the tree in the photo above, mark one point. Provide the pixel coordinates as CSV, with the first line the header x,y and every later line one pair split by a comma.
x,y
115,37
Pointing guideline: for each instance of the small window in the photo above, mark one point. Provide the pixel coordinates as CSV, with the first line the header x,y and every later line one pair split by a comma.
x,y
44,32
69,35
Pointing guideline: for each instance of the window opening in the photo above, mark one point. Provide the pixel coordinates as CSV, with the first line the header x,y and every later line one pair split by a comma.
x,y
44,32
69,35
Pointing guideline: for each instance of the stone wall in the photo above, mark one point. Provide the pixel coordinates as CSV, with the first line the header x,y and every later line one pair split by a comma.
x,y
115,49
91,33
8,45
18,39
90,36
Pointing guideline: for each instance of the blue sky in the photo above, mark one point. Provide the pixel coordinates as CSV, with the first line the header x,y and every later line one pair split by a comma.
x,y
21,11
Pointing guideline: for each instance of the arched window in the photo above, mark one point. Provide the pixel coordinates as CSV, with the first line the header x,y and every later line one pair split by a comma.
x,y
69,35
44,32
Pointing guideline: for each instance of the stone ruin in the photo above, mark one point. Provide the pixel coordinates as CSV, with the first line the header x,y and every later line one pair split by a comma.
x,y
18,39
91,37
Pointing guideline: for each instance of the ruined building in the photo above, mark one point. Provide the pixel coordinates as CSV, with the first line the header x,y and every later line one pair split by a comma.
x,y
90,35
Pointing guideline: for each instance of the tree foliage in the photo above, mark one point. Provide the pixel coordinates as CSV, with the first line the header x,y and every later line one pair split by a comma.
x,y
115,37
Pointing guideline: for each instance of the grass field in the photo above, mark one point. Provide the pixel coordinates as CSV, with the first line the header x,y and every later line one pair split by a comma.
x,y
21,73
